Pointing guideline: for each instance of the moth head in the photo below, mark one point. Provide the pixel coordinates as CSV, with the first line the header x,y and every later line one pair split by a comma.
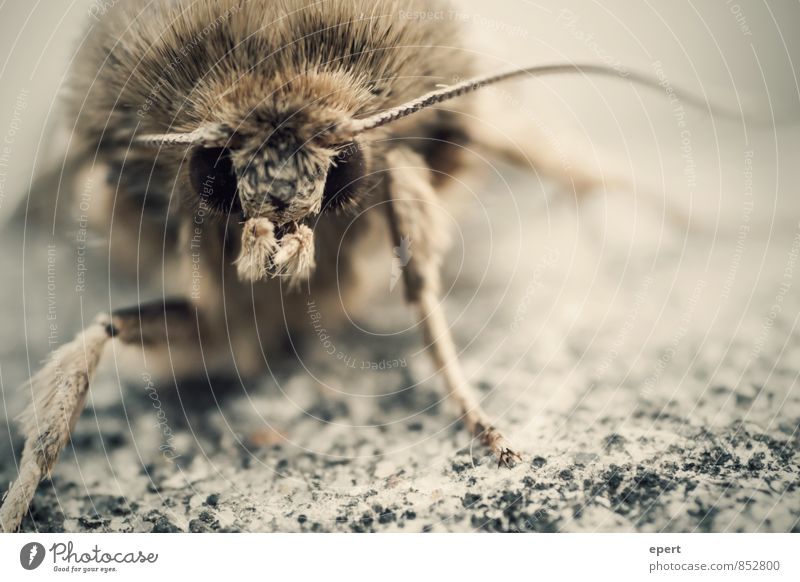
x,y
274,180
284,158
288,176
276,175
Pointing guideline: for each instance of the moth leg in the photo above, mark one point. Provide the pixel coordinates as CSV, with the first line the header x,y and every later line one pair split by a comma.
x,y
418,227
60,387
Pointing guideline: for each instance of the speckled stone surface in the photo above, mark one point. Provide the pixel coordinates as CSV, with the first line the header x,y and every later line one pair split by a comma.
x,y
649,377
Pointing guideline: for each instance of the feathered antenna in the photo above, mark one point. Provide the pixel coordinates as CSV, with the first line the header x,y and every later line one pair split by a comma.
x,y
439,95
213,135
219,135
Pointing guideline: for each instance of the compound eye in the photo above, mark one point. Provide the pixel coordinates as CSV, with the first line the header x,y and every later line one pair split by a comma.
x,y
213,178
344,178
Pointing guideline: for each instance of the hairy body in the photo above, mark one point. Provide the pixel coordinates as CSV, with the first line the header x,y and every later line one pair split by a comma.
x,y
278,132
292,67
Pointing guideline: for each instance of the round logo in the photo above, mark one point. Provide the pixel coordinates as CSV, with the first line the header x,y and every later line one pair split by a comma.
x,y
31,555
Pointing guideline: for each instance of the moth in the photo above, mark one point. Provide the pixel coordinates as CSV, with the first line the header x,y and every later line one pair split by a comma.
x,y
239,138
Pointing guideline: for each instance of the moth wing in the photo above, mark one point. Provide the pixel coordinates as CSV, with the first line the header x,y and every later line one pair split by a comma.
x,y
48,202
515,134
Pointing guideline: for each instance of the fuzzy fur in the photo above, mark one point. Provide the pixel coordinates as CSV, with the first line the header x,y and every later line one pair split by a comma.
x,y
258,246
295,257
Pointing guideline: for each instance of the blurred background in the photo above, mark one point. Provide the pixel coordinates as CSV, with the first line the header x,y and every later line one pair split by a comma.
x,y
639,343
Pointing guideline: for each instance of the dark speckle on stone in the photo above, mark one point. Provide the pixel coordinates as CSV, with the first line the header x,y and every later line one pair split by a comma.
x,y
459,467
212,500
756,462
161,524
328,409
363,524
110,505
198,526
115,440
387,516
93,522
614,441
539,462
484,386
471,500
566,475
705,516
613,477
206,517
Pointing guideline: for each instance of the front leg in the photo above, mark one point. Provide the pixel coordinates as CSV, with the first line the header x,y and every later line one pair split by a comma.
x,y
420,235
59,389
